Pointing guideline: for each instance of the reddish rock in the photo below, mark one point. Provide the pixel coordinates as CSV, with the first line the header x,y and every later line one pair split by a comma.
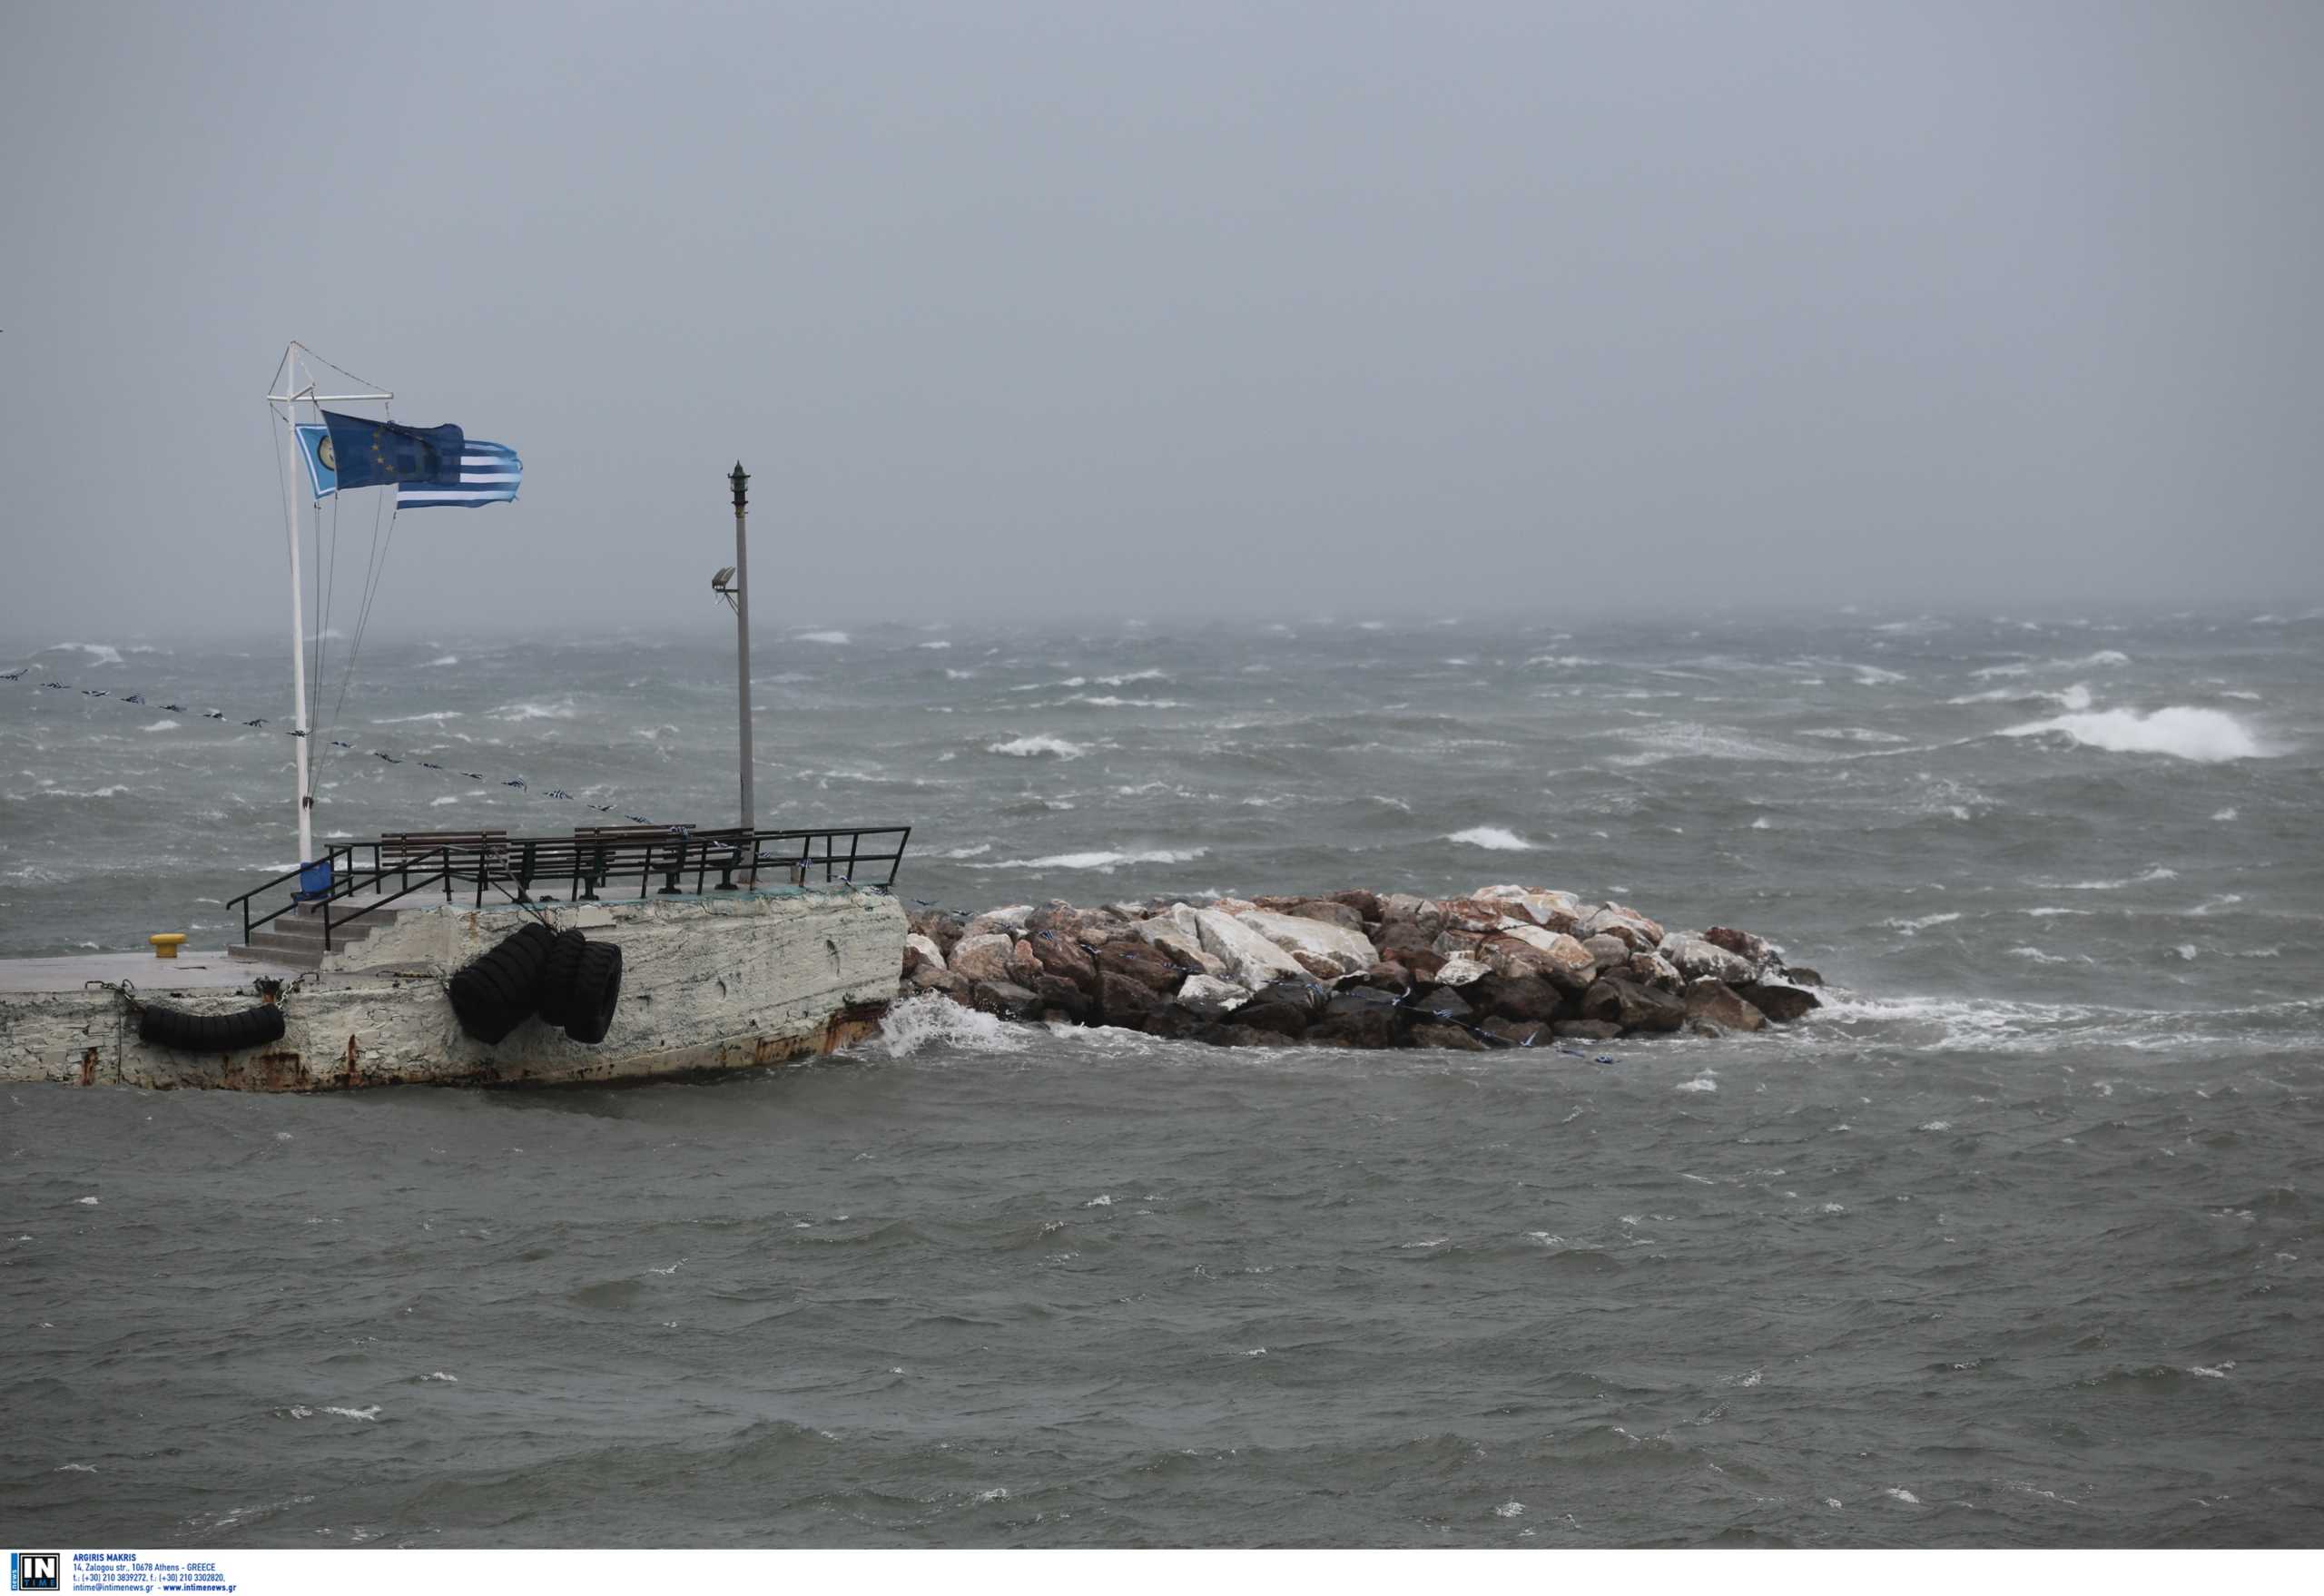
x,y
1780,1003
1006,998
1741,943
1365,904
1799,975
1609,952
1716,1001
1653,970
1126,1002
1388,976
1446,1035
1626,1003
1471,914
1142,962
1281,1019
1524,997
1320,968
1061,957
1423,964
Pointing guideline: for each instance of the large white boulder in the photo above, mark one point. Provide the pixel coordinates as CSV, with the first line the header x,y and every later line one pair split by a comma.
x,y
1249,957
1563,958
1461,970
1211,997
1694,958
984,957
1347,951
1006,922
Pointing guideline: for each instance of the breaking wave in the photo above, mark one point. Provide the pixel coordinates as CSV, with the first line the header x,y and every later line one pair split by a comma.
x,y
1494,837
1103,860
2207,736
1029,747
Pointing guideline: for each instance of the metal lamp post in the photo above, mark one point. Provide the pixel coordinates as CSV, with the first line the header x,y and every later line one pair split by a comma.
x,y
740,480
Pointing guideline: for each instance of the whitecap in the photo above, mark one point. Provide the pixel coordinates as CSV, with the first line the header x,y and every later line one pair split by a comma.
x,y
440,661
98,652
369,1416
820,636
1901,1494
1028,747
1701,1083
2223,814
2207,736
534,712
1497,838
974,850
1102,861
1911,927
931,1019
935,642
953,676
160,726
433,714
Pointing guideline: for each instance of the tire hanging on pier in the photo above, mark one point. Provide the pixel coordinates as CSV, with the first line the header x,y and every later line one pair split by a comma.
x,y
557,970
595,993
494,992
209,1033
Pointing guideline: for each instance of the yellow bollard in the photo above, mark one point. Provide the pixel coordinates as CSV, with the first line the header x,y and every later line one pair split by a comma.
x,y
166,943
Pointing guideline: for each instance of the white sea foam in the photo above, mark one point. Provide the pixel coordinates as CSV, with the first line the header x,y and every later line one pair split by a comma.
x,y
2156,872
1038,743
1498,838
2226,813
98,652
2207,736
820,636
1913,927
936,643
933,1019
1105,862
972,851
1128,677
440,661
160,726
433,715
1701,1083
535,712
1853,735
1902,1495
1107,701
1874,677
440,803
953,676
369,1416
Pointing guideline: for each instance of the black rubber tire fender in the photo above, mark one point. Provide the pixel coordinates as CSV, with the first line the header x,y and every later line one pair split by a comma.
x,y
559,967
494,993
209,1033
596,993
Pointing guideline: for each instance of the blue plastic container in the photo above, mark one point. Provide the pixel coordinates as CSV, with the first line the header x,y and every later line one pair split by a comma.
x,y
314,880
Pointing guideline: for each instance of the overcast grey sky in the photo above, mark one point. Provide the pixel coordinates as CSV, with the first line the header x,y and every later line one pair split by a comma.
x,y
1140,308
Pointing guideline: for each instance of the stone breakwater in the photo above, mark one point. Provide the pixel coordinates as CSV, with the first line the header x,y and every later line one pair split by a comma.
x,y
1507,966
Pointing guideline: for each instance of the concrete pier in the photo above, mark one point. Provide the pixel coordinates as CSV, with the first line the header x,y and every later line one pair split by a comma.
x,y
709,983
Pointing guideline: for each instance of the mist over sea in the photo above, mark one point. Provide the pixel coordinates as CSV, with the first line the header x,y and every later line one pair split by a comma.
x,y
2014,1242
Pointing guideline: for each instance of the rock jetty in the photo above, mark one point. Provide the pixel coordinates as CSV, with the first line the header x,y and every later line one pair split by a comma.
x,y
1506,966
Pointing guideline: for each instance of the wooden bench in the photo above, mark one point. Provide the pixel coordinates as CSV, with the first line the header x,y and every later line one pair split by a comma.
x,y
480,852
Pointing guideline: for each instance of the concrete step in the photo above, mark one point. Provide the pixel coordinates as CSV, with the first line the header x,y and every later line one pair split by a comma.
x,y
297,958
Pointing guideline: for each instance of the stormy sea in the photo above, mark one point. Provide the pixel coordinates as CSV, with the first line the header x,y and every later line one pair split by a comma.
x,y
2013,1243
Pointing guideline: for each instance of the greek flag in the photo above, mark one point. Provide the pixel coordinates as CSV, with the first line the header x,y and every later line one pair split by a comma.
x,y
489,473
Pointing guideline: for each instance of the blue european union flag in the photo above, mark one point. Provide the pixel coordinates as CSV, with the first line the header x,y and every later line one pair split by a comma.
x,y
370,454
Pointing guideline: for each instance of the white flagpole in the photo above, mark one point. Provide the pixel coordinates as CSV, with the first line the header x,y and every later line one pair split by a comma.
x,y
293,467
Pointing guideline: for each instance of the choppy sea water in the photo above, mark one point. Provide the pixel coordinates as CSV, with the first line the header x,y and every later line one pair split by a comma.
x,y
2014,1243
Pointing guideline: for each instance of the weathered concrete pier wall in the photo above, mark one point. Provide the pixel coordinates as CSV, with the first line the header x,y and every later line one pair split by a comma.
x,y
708,983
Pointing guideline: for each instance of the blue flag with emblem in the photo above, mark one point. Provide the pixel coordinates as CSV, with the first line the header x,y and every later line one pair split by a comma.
x,y
430,468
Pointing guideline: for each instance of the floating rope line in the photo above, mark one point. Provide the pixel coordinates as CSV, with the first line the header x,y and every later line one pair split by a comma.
x,y
260,724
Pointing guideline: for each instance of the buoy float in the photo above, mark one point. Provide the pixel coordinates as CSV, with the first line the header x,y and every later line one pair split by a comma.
x,y
166,943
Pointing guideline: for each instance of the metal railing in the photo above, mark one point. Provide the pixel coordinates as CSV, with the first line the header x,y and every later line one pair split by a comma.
x,y
588,867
